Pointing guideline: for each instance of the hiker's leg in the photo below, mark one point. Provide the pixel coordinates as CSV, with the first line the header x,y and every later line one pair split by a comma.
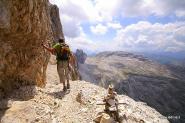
x,y
60,70
67,74
67,77
63,76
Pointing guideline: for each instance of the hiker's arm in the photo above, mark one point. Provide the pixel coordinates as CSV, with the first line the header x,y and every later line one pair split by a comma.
x,y
51,50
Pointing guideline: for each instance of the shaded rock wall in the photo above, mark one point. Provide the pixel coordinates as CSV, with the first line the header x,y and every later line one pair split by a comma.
x,y
80,56
24,24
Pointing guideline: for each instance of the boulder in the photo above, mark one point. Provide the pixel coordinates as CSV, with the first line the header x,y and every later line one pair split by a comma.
x,y
104,118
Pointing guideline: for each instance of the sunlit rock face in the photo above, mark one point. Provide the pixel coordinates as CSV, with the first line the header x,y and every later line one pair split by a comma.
x,y
24,24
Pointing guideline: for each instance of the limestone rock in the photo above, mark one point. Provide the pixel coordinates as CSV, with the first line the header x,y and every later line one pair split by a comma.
x,y
80,97
23,26
104,118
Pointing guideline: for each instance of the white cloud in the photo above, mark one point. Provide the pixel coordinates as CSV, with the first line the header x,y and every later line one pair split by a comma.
x,y
107,9
103,15
81,10
114,25
75,12
71,27
81,42
135,8
142,36
180,13
88,45
145,36
104,11
171,5
93,12
99,29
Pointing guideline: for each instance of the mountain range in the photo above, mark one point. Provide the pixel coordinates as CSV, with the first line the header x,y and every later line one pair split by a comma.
x,y
161,86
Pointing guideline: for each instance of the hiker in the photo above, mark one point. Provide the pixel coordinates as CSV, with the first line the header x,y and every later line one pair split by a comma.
x,y
63,56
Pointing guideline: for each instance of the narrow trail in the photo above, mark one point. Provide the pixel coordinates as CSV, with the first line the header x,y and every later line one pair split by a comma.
x,y
68,109
52,105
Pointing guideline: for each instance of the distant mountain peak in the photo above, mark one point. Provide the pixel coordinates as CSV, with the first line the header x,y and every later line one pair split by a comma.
x,y
122,54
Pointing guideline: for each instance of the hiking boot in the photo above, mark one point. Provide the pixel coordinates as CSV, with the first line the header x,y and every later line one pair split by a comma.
x,y
64,88
68,86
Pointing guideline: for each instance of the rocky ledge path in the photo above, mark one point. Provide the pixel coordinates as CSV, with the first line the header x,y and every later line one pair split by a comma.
x,y
51,105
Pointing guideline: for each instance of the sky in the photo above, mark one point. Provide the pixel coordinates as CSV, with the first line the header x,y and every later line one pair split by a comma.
x,y
124,25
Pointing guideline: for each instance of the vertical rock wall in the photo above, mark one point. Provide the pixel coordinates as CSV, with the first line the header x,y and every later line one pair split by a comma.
x,y
56,24
24,24
81,56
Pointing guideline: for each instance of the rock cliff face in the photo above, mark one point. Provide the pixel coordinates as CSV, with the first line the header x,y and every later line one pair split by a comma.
x,y
80,56
140,78
56,24
23,25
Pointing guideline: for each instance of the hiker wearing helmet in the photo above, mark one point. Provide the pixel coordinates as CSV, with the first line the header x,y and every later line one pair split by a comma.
x,y
63,56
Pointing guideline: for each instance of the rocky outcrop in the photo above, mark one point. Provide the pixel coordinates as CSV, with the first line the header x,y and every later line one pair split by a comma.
x,y
80,56
140,78
56,24
23,26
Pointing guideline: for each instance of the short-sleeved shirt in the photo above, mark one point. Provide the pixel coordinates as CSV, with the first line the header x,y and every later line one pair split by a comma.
x,y
57,47
57,51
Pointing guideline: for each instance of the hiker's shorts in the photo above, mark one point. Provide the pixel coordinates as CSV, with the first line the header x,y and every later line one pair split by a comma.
x,y
63,71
